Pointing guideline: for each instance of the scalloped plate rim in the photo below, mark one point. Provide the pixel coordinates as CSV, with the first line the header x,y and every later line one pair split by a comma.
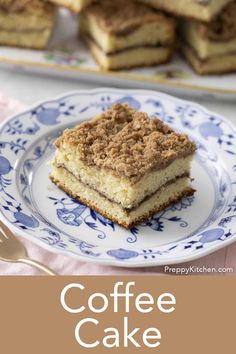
x,y
112,261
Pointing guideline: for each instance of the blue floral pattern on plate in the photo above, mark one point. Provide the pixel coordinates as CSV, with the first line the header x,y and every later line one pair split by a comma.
x,y
32,206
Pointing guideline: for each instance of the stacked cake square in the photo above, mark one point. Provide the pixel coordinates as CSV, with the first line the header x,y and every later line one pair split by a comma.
x,y
26,23
124,34
211,47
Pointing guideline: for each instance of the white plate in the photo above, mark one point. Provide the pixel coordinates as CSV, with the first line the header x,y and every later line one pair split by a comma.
x,y
66,56
34,207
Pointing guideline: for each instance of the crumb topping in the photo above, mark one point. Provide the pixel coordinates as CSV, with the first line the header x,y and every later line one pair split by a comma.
x,y
21,5
223,27
122,17
127,142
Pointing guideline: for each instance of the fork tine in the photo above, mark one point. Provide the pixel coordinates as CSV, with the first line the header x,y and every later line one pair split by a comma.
x,y
10,243
5,231
3,236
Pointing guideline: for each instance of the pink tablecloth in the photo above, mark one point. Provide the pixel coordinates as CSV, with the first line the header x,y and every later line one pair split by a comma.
x,y
225,258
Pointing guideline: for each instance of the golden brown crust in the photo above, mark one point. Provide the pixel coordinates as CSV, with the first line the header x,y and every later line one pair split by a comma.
x,y
128,66
221,28
126,142
187,192
121,17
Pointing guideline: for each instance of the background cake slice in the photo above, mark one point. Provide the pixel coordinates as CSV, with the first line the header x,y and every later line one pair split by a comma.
x,y
26,23
124,34
124,165
211,48
203,10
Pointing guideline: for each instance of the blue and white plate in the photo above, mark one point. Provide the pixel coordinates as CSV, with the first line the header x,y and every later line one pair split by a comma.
x,y
35,208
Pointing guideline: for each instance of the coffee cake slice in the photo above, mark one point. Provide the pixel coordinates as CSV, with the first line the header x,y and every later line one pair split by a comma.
x,y
126,34
211,48
26,23
124,165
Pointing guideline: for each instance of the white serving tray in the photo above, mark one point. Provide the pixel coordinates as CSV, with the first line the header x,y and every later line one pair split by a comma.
x,y
67,57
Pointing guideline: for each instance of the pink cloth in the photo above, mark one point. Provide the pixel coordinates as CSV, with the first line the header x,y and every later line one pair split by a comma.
x,y
64,265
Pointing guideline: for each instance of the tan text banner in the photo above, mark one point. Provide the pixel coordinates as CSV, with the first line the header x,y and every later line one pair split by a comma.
x,y
192,314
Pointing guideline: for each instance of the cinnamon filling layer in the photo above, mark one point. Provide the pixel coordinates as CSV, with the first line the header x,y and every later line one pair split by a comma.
x,y
115,52
135,206
233,52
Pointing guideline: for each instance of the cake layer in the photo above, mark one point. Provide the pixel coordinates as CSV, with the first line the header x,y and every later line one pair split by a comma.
x,y
26,23
113,211
212,39
129,58
148,34
35,15
203,46
118,189
203,10
120,25
30,39
218,64
73,5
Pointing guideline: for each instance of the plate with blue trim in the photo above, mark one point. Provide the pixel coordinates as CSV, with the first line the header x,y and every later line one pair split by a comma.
x,y
32,206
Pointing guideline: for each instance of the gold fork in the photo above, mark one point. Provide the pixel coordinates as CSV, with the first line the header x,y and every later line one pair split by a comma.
x,y
12,250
